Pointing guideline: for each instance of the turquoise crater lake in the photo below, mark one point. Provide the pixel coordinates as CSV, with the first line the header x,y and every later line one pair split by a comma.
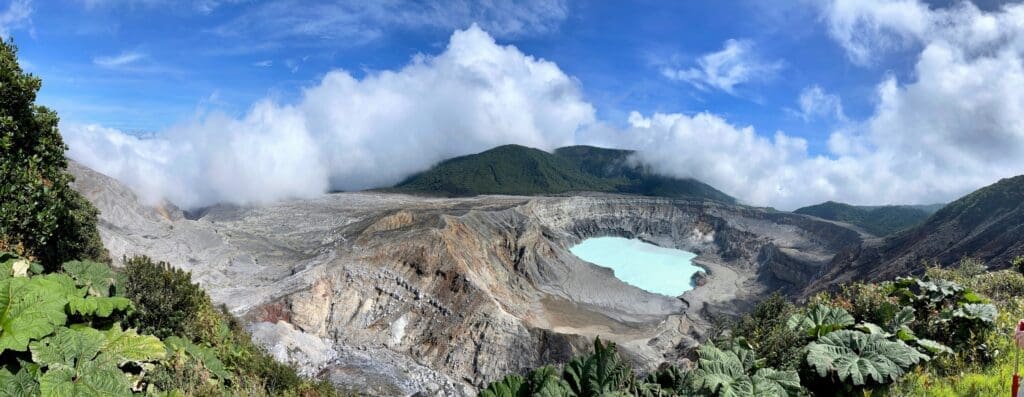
x,y
665,271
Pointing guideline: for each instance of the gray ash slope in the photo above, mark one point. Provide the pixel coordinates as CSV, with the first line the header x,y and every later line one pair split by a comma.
x,y
392,294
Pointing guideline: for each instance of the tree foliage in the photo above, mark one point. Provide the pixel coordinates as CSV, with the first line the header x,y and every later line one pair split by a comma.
x,y
167,302
40,215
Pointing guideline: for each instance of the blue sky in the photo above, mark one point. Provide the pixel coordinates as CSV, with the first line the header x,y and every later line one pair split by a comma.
x,y
778,103
177,60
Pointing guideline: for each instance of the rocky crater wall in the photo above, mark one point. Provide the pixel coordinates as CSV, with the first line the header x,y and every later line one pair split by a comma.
x,y
394,294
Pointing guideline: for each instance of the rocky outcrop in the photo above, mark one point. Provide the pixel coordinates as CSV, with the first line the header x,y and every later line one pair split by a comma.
x,y
436,295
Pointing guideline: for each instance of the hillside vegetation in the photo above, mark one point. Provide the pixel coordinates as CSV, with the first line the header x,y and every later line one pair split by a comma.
x,y
877,220
519,170
987,225
72,327
931,336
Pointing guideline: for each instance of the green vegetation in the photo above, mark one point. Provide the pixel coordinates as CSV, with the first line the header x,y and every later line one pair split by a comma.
x,y
983,205
866,339
879,220
989,371
61,334
48,343
40,215
168,303
518,170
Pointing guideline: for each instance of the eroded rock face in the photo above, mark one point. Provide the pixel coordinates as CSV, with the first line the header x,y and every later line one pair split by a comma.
x,y
436,295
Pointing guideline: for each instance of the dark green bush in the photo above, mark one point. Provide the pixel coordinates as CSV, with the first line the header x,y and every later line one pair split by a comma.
x,y
167,302
40,215
765,330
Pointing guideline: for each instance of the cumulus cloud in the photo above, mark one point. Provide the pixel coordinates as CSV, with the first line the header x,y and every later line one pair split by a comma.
x,y
735,64
955,125
348,133
17,15
816,103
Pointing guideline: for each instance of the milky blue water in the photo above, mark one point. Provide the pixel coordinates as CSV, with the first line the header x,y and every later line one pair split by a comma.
x,y
665,271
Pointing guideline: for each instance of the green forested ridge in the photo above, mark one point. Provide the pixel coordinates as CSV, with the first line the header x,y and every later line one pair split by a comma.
x,y
519,170
866,339
878,220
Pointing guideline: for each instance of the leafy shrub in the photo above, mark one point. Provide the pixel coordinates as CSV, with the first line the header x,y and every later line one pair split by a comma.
x,y
766,331
862,340
40,215
855,359
867,302
950,314
819,320
167,302
738,372
45,351
543,381
209,351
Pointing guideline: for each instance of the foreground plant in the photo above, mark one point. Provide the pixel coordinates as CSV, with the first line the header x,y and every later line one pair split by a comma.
x,y
48,344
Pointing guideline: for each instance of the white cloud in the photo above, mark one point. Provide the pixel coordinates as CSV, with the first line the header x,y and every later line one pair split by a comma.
x,y
349,133
733,65
263,64
816,103
17,16
955,125
116,61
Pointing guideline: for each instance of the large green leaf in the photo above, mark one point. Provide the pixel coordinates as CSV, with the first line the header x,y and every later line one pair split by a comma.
x,y
123,346
933,347
31,308
985,312
724,373
102,306
819,320
87,379
95,277
772,382
85,362
510,386
20,384
859,358
598,373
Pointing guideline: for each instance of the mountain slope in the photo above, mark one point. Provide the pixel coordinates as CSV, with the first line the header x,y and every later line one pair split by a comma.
x,y
519,170
987,224
877,220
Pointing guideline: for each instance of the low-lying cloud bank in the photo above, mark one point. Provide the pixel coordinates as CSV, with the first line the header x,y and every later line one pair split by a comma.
x,y
958,125
347,133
